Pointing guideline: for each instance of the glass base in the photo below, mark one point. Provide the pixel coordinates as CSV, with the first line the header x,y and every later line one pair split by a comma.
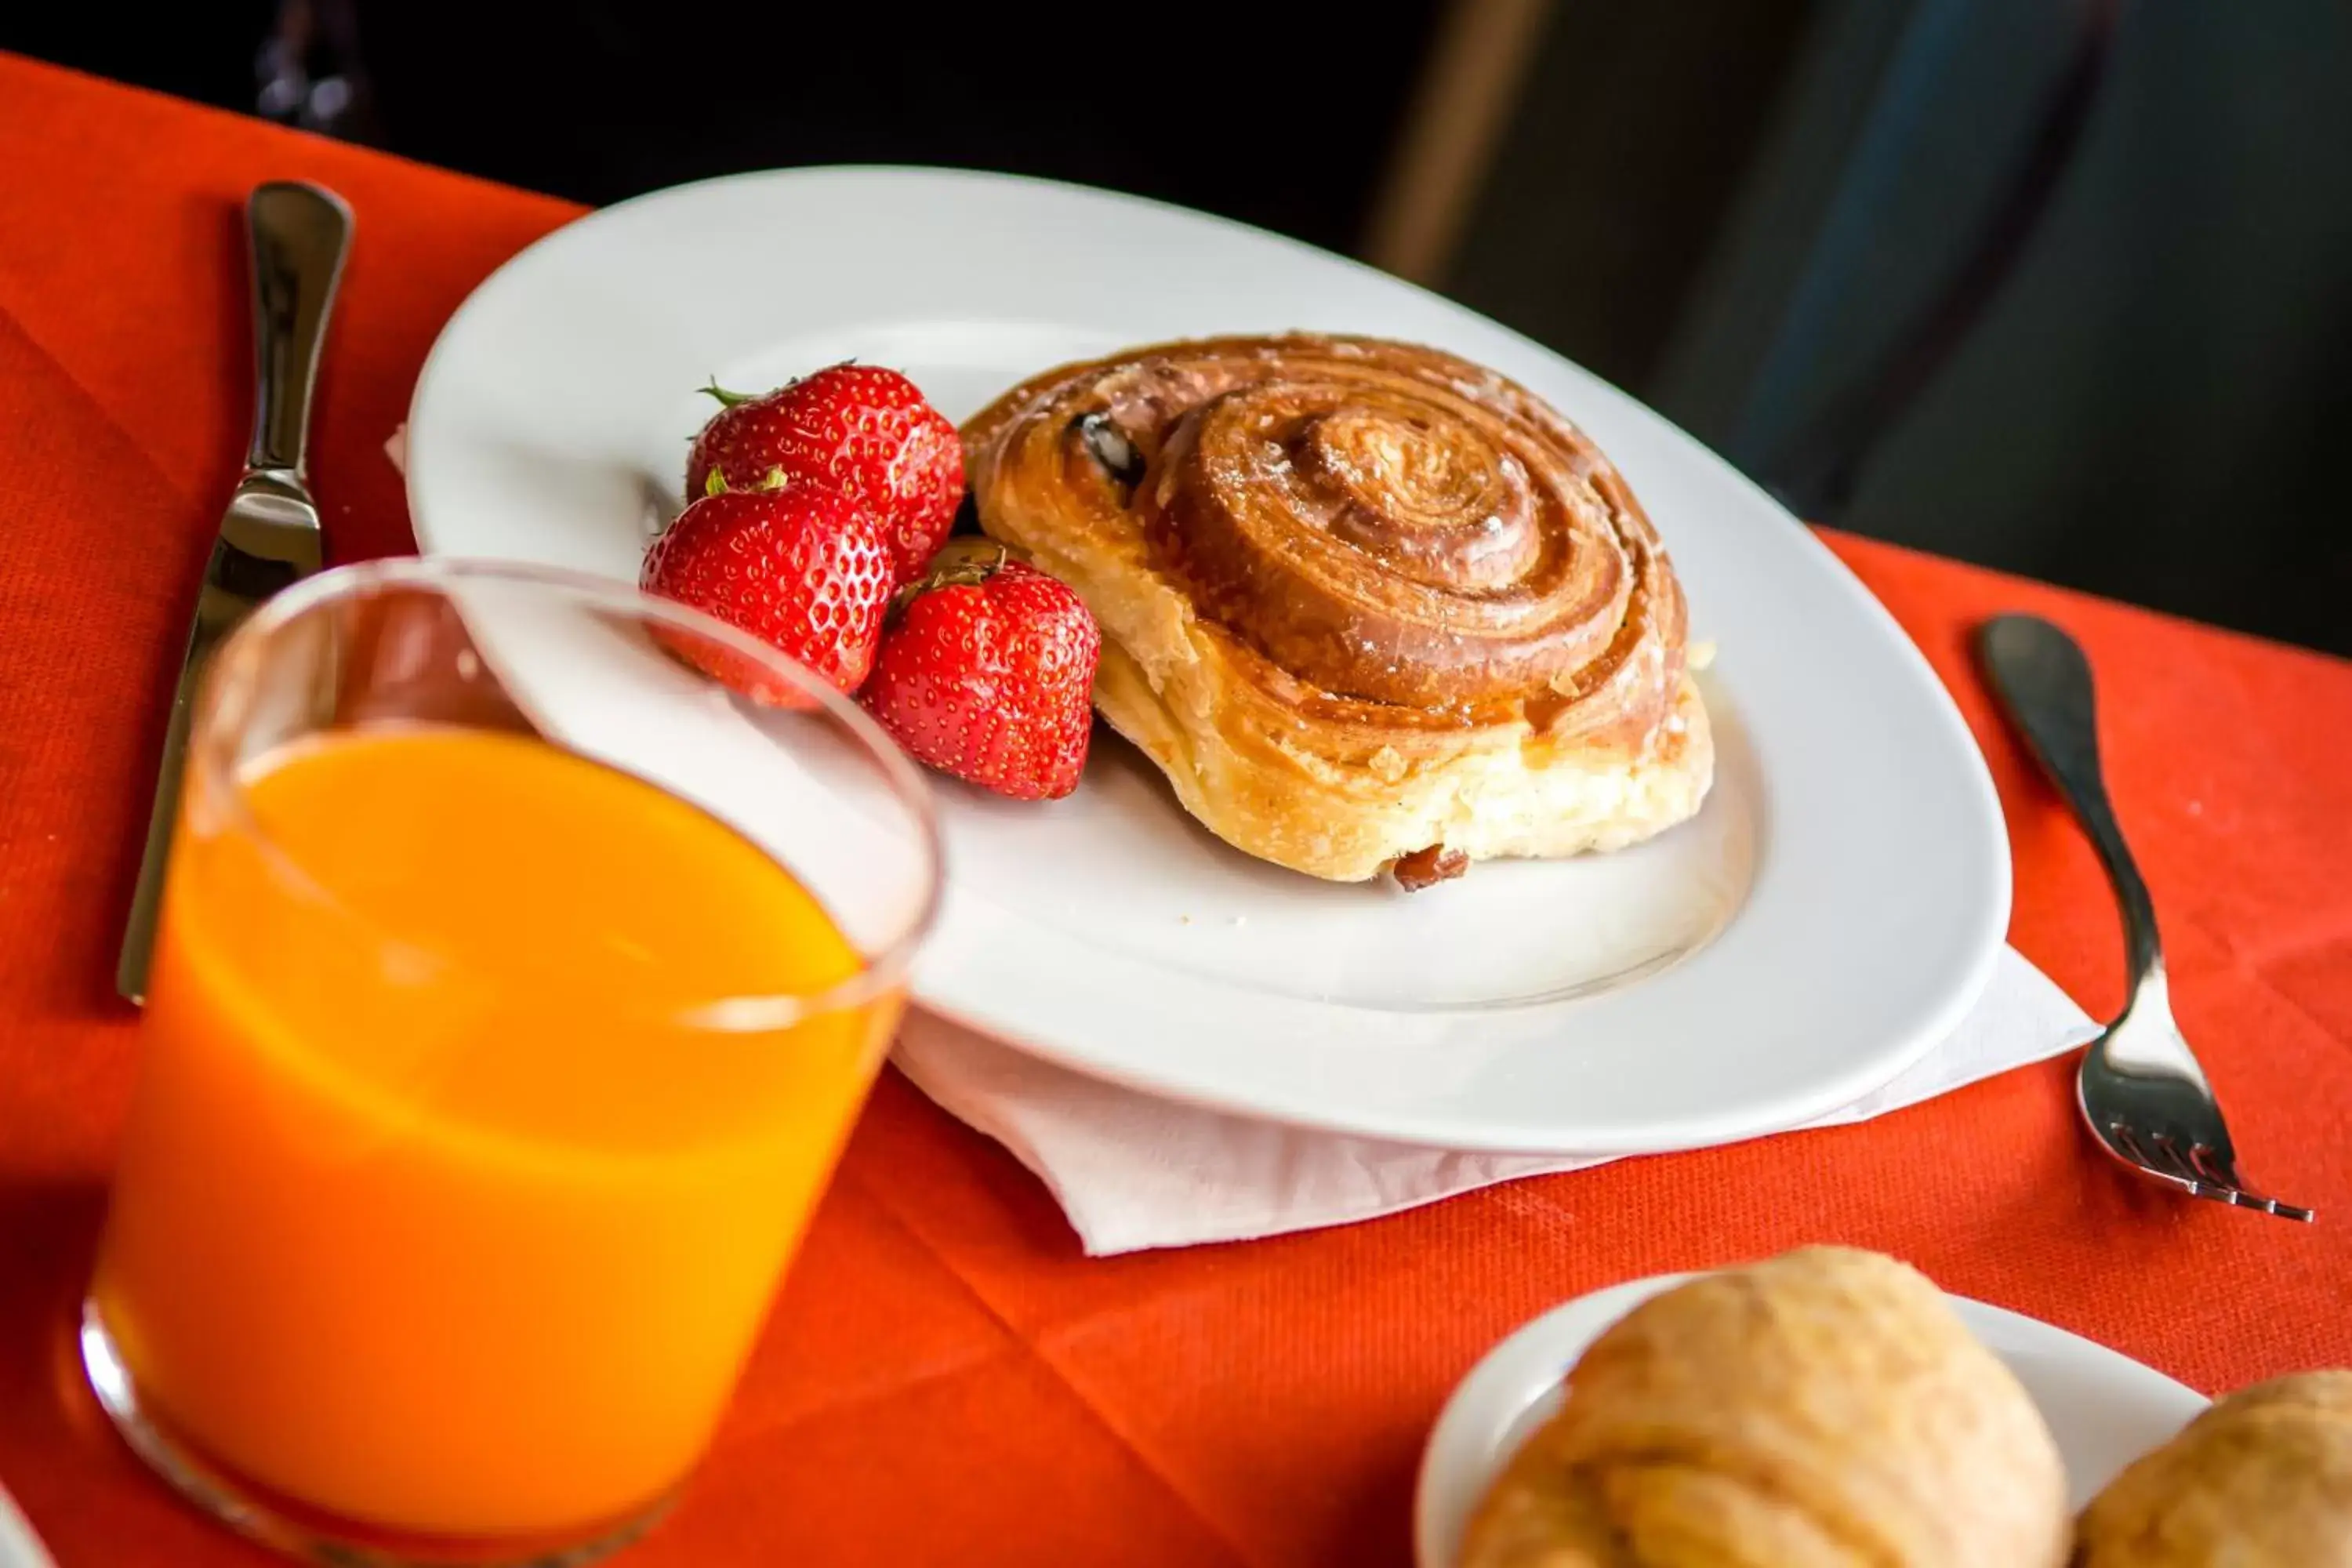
x,y
308,1533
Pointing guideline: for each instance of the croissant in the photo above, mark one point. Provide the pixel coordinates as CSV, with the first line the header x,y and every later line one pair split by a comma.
x,y
1367,605
1822,1410
2261,1479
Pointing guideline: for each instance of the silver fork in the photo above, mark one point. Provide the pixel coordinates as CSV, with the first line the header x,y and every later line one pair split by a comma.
x,y
2141,1091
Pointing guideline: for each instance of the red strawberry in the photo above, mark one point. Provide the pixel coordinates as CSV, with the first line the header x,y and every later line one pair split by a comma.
x,y
987,671
805,570
857,429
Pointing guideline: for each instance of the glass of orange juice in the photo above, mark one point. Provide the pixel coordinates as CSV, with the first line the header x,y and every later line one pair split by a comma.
x,y
529,947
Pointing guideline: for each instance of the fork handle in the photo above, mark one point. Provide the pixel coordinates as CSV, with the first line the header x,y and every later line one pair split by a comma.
x,y
301,234
2043,683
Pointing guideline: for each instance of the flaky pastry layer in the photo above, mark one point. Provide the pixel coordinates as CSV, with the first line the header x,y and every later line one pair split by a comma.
x,y
1359,600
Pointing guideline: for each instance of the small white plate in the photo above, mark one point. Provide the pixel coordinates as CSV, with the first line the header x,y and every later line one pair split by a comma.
x,y
1829,916
2105,1408
20,1547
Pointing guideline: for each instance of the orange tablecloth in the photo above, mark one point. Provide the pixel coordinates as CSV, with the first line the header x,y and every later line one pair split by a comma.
x,y
946,1378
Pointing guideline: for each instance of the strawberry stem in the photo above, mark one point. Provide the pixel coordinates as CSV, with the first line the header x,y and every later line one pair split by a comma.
x,y
729,399
960,563
716,484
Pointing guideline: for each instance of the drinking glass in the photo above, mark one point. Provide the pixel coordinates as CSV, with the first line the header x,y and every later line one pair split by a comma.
x,y
529,947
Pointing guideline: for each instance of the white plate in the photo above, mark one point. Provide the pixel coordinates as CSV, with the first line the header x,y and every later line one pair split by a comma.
x,y
2106,1409
20,1547
1831,912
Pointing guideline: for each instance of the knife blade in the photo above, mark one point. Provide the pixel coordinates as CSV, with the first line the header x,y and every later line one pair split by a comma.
x,y
300,234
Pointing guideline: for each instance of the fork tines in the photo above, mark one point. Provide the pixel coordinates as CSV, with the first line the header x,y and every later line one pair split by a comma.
x,y
2199,1169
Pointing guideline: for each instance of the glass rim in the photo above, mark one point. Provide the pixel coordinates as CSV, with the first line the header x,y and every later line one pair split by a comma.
x,y
211,754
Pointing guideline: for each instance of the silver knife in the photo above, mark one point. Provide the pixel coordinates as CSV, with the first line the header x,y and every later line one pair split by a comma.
x,y
269,536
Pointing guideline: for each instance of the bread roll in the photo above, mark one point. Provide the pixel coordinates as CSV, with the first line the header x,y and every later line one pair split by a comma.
x,y
2262,1479
1824,1409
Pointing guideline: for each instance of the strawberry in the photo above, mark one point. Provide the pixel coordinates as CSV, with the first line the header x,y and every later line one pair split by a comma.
x,y
987,671
857,429
805,570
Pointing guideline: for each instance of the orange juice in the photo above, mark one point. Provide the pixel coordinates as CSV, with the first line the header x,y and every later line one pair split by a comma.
x,y
449,1202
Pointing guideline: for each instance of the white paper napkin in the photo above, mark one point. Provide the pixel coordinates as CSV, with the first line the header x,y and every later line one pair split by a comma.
x,y
1132,1172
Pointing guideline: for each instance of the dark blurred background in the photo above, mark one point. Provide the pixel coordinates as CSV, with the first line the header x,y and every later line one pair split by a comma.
x,y
2061,286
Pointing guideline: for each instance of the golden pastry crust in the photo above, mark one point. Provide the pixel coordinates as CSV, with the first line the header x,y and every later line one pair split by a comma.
x,y
2261,1479
1824,1409
1359,599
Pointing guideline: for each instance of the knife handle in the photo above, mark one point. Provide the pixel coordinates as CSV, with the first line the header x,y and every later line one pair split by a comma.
x,y
300,234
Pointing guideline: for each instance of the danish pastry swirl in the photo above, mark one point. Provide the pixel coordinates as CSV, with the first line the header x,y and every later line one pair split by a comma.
x,y
1400,536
